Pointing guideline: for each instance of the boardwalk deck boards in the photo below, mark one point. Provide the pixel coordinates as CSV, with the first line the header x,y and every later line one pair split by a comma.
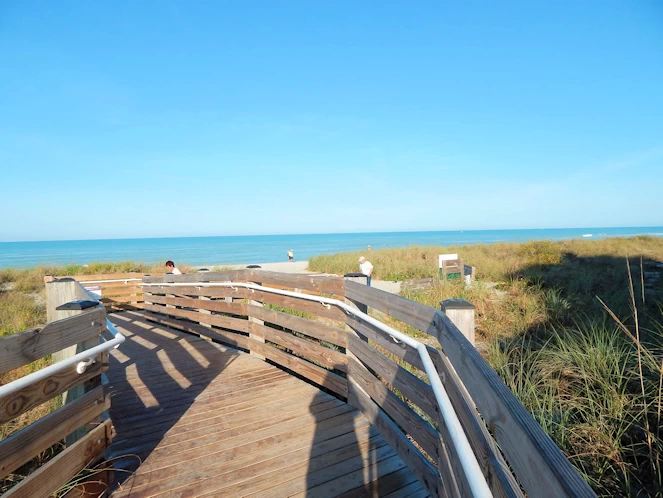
x,y
206,420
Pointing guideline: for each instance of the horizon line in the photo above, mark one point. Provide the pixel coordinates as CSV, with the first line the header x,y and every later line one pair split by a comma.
x,y
327,233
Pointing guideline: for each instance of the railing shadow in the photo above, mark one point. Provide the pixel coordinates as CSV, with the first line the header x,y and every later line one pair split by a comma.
x,y
153,383
348,457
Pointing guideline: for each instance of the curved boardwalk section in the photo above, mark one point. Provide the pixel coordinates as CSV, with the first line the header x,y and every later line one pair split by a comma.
x,y
194,418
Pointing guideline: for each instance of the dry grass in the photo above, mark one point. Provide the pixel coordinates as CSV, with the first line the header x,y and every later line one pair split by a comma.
x,y
572,331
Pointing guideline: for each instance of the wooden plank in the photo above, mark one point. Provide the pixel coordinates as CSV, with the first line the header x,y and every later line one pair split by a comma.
x,y
328,457
120,291
540,466
417,463
495,469
310,371
417,315
193,290
294,303
51,476
234,463
218,306
327,357
317,374
44,433
411,386
322,284
412,490
379,476
420,430
212,276
220,442
225,322
497,472
230,338
104,276
121,299
311,328
19,402
382,339
22,348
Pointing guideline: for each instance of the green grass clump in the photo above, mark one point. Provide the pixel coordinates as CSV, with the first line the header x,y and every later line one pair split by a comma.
x,y
19,312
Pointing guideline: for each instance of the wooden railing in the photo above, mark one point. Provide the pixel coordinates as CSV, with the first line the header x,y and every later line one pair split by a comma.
x,y
359,362
117,291
78,424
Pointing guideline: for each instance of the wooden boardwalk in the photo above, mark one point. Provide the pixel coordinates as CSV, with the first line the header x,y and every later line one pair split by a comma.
x,y
197,419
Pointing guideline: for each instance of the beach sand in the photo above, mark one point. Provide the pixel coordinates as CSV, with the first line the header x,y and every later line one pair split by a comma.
x,y
283,267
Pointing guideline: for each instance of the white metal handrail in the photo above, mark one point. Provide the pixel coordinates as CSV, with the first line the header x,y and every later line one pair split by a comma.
x,y
125,280
81,361
476,479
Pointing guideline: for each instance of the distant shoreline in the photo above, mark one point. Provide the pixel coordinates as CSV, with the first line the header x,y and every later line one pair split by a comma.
x,y
238,251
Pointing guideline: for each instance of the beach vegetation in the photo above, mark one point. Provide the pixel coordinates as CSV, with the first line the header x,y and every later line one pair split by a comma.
x,y
575,330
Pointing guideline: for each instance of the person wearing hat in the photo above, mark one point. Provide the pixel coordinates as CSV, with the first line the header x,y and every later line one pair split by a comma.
x,y
366,268
291,255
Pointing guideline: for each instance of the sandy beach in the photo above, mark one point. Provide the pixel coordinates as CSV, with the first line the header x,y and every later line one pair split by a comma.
x,y
282,266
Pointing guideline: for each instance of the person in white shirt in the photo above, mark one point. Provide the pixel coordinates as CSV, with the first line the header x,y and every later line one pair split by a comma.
x,y
366,268
170,266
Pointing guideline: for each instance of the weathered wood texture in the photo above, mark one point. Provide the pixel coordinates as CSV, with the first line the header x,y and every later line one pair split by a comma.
x,y
207,420
123,291
416,462
19,402
57,472
539,465
22,348
498,475
27,443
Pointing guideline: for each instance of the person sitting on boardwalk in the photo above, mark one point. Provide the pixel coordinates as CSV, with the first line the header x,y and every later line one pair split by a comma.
x,y
170,266
366,268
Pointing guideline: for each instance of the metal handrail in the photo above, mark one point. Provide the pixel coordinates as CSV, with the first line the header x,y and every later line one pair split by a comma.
x,y
81,361
476,479
125,280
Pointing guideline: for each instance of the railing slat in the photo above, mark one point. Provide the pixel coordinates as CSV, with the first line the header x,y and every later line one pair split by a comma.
x,y
499,477
328,357
541,467
412,387
44,433
218,306
51,476
224,336
305,326
217,320
420,430
416,462
19,402
22,348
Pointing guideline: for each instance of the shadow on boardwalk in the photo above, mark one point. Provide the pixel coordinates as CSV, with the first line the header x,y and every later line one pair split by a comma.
x,y
154,378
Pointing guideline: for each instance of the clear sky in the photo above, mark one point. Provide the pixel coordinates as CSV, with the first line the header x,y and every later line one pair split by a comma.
x,y
164,118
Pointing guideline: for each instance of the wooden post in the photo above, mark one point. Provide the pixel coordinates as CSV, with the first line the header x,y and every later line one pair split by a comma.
x,y
255,337
461,313
64,299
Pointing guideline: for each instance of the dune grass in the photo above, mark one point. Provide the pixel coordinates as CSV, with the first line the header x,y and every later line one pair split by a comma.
x,y
573,333
22,307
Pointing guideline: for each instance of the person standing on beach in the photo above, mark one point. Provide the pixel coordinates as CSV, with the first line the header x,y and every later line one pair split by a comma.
x,y
291,255
366,268
170,266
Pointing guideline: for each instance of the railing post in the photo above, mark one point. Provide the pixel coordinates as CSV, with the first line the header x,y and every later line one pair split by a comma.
x,y
64,299
461,313
257,338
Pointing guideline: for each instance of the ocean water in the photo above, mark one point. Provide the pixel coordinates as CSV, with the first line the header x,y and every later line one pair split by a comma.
x,y
271,248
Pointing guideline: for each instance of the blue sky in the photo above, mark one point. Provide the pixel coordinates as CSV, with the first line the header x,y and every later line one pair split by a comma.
x,y
140,119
